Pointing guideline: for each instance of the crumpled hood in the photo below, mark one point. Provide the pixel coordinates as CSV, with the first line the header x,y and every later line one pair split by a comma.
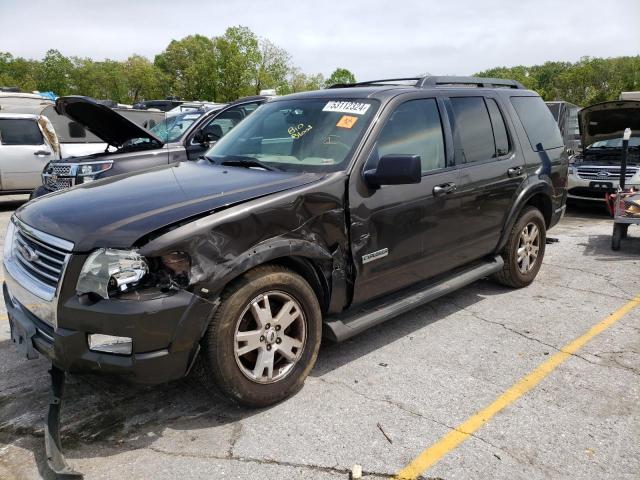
x,y
102,121
607,120
119,210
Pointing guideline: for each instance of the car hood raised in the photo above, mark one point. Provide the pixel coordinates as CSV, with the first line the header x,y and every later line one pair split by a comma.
x,y
607,121
102,121
118,211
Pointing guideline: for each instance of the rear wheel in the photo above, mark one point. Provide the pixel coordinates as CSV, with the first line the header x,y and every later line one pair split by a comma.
x,y
524,250
263,339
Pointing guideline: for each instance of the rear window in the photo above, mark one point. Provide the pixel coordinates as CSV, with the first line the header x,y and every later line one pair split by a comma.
x,y
20,132
537,120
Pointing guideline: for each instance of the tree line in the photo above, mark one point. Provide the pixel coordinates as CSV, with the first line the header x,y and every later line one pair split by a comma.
x,y
219,69
587,81
239,63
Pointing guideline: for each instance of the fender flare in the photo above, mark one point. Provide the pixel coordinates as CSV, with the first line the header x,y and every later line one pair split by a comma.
x,y
523,198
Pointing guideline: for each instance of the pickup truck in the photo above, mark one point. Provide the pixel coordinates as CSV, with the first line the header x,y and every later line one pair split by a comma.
x,y
324,212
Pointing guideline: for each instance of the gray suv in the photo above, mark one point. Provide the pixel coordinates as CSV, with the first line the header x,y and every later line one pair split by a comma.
x,y
130,147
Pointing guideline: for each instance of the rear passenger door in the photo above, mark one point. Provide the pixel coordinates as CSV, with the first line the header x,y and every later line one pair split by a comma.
x,y
402,234
491,170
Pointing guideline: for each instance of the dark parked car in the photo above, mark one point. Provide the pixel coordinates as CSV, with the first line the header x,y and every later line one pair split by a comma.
x,y
327,211
162,105
179,137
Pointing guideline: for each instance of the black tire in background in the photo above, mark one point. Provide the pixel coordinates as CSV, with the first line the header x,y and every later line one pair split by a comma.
x,y
513,274
226,372
618,233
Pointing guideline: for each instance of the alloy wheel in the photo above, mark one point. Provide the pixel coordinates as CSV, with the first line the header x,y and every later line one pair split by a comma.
x,y
528,248
270,337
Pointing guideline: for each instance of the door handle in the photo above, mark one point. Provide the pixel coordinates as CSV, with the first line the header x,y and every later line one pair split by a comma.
x,y
444,189
41,153
515,171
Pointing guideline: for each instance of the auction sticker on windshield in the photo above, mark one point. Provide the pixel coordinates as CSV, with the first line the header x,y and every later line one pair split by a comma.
x,y
357,108
346,121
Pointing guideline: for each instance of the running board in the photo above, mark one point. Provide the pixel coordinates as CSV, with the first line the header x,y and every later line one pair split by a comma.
x,y
345,325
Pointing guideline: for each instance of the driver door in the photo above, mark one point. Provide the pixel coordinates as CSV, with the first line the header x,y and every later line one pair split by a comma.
x,y
402,234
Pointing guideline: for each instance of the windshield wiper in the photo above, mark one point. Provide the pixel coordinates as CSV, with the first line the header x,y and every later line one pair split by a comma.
x,y
241,161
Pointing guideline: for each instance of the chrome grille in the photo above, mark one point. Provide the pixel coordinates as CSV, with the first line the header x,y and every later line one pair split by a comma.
x,y
58,176
612,173
64,170
40,259
53,183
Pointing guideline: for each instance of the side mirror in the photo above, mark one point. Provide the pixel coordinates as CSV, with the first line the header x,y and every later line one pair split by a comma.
x,y
205,138
395,170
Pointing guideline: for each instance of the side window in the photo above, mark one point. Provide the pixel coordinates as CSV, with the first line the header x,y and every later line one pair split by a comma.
x,y
414,128
473,128
500,135
223,123
15,131
542,130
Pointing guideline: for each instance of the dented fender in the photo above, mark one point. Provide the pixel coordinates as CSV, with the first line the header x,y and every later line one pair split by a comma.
x,y
304,223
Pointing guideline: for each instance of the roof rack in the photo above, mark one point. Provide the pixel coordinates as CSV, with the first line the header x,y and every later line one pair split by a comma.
x,y
431,81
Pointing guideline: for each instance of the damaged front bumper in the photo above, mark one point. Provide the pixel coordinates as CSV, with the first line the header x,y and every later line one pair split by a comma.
x,y
182,316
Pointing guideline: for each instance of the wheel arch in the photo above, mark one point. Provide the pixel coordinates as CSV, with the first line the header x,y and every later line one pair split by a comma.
x,y
538,196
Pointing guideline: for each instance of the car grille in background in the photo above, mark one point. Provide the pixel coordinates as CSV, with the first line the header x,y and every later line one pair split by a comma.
x,y
53,183
40,260
613,173
64,170
58,177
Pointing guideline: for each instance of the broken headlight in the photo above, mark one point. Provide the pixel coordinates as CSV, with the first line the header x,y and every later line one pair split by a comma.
x,y
110,271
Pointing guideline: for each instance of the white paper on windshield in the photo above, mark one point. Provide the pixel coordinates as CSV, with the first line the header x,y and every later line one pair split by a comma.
x,y
356,108
191,116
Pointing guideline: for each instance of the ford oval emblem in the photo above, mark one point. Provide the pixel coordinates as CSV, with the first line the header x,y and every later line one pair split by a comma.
x,y
603,173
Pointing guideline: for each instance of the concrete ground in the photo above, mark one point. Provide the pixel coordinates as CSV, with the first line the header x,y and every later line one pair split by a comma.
x,y
381,398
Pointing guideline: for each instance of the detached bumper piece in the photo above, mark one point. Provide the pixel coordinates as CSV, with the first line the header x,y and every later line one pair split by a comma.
x,y
53,446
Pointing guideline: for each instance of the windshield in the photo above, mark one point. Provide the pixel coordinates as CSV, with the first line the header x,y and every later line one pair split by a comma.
x,y
316,135
614,143
174,127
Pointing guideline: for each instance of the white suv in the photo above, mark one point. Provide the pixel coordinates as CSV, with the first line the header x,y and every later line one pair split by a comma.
x,y
27,144
596,170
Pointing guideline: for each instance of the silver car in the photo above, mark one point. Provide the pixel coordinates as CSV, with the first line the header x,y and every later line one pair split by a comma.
x,y
27,143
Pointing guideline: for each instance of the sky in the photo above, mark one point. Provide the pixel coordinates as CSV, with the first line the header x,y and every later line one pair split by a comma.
x,y
373,39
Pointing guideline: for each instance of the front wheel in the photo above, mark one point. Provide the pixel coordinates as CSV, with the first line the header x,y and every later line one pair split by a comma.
x,y
524,250
263,339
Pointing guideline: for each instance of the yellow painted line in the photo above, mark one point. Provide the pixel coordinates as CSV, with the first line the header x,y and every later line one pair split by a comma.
x,y
454,438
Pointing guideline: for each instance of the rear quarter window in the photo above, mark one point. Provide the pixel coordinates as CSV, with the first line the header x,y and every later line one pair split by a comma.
x,y
538,122
20,132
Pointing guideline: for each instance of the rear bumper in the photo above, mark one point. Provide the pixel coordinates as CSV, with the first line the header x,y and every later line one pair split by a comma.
x,y
68,349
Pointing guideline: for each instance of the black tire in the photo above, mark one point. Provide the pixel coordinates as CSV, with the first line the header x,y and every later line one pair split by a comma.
x,y
511,274
218,367
617,235
625,230
38,192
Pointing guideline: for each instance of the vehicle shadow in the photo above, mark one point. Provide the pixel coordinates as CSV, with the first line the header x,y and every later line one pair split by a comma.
x,y
11,202
336,355
102,416
600,246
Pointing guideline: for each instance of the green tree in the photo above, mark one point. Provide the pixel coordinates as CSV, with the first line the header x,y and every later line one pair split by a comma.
x,y
238,63
190,63
54,72
340,75
273,67
144,79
